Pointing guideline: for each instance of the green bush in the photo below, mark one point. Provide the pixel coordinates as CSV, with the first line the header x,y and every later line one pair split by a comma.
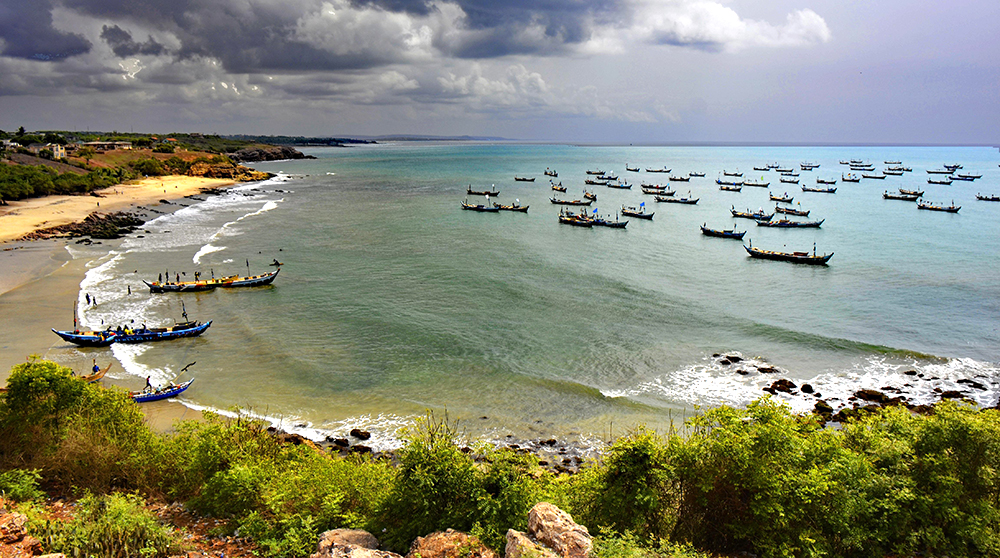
x,y
113,526
20,485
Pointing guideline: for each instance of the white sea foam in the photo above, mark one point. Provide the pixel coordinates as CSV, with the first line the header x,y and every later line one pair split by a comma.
x,y
205,250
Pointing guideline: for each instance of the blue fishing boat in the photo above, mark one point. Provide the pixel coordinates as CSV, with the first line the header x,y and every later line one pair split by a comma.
x,y
176,331
722,233
171,390
87,338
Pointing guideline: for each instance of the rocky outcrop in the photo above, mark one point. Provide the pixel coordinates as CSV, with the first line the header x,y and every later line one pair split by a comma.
x,y
267,153
96,225
228,171
14,539
555,529
348,543
520,546
449,544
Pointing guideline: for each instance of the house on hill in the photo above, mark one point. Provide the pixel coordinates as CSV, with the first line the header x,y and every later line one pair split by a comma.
x,y
58,151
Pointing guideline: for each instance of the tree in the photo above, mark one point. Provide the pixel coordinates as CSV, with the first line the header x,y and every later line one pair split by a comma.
x,y
20,131
87,153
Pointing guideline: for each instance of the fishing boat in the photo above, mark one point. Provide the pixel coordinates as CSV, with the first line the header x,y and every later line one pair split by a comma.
x,y
524,179
664,169
791,211
794,257
820,190
91,378
87,338
788,180
696,174
209,284
631,169
783,199
685,201
903,197
593,182
721,182
481,207
946,208
673,178
893,162
850,178
552,173
790,174
731,188
576,220
941,171
596,172
890,172
764,168
176,331
722,233
953,167
969,176
727,173
825,181
960,177
758,215
873,176
512,207
619,185
570,202
658,191
946,182
559,187
906,192
756,184
981,197
616,224
784,170
789,224
589,196
492,193
166,392
637,212
808,166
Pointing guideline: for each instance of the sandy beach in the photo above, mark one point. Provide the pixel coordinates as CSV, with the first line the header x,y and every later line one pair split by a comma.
x,y
39,280
22,217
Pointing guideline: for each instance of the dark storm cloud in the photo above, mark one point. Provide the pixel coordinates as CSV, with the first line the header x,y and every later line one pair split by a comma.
x,y
122,45
27,31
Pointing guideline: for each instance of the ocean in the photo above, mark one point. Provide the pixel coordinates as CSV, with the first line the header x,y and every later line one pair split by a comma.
x,y
393,301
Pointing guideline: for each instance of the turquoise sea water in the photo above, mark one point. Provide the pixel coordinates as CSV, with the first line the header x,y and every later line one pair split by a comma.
x,y
393,300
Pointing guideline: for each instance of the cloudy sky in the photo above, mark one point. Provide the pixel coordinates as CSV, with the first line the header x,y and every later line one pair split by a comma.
x,y
643,71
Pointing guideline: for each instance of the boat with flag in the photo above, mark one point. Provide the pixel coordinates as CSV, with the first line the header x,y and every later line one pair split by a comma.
x,y
933,207
722,233
232,281
758,215
637,212
794,257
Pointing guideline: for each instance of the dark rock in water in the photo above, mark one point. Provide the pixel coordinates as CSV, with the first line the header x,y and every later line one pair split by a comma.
x,y
767,370
465,449
806,388
770,390
818,395
484,417
972,384
910,372
360,434
550,442
871,395
341,442
952,394
742,372
734,358
783,385
715,355
823,408
543,463
360,449
724,362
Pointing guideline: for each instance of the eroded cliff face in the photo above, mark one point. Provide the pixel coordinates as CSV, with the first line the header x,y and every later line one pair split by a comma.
x,y
230,171
267,153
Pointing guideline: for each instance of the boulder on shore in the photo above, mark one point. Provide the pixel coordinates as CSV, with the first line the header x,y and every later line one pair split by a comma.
x,y
556,529
348,543
449,544
520,546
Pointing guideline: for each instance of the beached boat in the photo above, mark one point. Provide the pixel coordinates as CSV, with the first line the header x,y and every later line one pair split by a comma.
x,y
171,390
524,179
981,197
906,192
512,207
209,284
946,182
722,233
87,338
791,211
903,197
794,257
784,199
637,212
685,201
932,207
570,202
481,207
758,215
731,188
176,331
820,190
552,173
492,193
789,224
696,174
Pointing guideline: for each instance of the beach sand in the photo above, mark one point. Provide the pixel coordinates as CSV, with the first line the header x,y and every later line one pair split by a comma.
x,y
22,217
39,280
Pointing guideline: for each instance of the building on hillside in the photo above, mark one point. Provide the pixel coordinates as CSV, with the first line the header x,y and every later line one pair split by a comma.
x,y
58,151
107,145
7,144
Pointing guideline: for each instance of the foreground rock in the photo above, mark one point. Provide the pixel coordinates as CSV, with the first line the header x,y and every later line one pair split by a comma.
x,y
349,543
14,539
551,533
449,544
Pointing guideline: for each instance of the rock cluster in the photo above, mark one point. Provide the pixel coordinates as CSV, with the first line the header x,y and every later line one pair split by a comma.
x,y
96,225
268,153
227,171
552,533
14,539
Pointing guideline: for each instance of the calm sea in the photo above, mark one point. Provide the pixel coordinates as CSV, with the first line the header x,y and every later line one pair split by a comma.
x,y
393,300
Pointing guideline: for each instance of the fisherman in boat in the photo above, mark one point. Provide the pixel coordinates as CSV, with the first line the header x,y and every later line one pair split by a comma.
x,y
96,367
149,386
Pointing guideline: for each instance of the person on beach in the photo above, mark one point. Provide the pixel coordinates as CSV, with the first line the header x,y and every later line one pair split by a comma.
x,y
149,386
130,289
87,296
96,368
160,278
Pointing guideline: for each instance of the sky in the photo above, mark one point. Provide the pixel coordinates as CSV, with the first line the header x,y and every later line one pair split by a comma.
x,y
589,71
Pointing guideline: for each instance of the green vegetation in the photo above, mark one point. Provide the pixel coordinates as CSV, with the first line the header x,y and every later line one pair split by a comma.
x,y
759,480
18,182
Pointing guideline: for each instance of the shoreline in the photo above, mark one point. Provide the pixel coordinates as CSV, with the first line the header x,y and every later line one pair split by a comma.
x,y
42,275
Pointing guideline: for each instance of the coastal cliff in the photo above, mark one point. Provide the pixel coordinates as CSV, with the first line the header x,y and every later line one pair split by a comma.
x,y
267,153
230,171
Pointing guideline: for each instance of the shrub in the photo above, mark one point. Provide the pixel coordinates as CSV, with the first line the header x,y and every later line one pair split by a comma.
x,y
20,485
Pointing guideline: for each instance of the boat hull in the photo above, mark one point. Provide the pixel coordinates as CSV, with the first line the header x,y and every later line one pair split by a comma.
x,y
166,335
88,338
792,257
146,397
